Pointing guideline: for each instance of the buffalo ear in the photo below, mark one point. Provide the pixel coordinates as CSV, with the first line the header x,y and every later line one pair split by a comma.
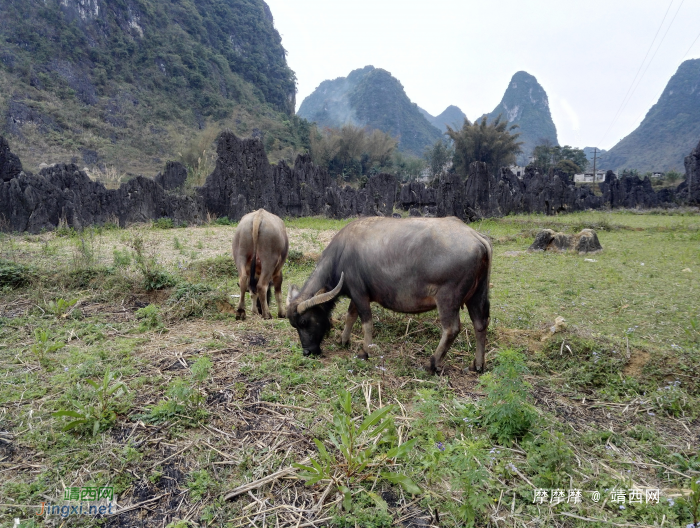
x,y
292,294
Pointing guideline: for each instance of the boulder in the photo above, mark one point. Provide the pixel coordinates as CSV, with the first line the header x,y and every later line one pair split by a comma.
x,y
584,242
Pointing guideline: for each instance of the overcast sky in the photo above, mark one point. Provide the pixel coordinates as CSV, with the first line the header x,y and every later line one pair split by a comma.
x,y
463,52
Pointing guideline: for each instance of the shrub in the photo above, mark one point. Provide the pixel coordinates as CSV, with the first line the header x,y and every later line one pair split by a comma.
x,y
164,223
15,275
224,221
122,259
506,412
150,318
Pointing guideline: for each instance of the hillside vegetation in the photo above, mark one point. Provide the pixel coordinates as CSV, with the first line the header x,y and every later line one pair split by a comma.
x,y
126,85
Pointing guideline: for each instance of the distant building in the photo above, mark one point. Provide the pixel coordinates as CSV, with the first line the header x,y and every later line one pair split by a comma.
x,y
589,177
517,170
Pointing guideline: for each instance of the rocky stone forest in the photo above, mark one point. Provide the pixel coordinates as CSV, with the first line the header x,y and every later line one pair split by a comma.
x,y
244,181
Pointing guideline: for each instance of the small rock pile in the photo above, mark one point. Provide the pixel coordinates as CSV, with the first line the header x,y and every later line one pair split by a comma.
x,y
584,242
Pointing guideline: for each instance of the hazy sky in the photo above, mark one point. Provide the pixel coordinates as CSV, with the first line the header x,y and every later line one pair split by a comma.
x,y
584,53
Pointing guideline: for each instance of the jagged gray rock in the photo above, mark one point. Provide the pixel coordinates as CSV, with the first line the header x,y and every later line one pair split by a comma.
x,y
244,181
173,176
10,165
689,190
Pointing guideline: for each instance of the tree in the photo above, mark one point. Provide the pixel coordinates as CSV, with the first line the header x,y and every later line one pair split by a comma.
x,y
494,144
352,151
547,155
438,157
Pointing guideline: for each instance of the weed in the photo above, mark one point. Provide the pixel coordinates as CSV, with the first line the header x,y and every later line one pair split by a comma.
x,y
122,259
184,397
176,243
506,412
100,414
150,318
163,223
672,400
60,306
295,256
224,221
359,448
200,484
549,457
44,345
154,276
15,275
693,330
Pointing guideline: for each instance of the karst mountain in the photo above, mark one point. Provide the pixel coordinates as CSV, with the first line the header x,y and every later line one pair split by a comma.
x,y
525,104
669,131
371,97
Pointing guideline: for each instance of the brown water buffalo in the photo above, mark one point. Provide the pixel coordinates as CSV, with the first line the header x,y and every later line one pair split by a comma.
x,y
260,238
409,265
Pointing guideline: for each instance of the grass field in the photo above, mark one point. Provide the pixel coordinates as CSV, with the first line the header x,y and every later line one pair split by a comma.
x,y
129,335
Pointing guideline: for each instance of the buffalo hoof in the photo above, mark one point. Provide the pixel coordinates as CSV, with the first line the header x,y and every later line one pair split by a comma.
x,y
306,352
345,344
267,316
363,355
431,367
240,315
281,314
472,367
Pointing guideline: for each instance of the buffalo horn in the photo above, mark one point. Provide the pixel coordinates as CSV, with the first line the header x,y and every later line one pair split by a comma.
x,y
322,298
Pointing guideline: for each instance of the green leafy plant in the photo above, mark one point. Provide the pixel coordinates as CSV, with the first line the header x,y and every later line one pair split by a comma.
x,y
150,318
361,457
506,412
200,484
43,345
184,397
468,475
122,259
163,223
154,276
99,412
672,399
15,275
60,306
176,243
690,505
223,221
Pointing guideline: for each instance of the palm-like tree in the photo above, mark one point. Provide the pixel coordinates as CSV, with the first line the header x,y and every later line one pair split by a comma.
x,y
492,143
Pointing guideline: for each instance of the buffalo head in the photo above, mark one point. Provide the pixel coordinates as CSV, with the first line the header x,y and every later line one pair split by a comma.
x,y
312,317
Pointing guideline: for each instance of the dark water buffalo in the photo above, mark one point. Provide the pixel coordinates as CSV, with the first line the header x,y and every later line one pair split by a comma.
x,y
407,265
260,238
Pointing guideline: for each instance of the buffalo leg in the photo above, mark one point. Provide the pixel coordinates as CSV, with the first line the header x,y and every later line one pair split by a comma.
x,y
479,310
243,283
449,319
365,313
350,319
263,286
277,283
